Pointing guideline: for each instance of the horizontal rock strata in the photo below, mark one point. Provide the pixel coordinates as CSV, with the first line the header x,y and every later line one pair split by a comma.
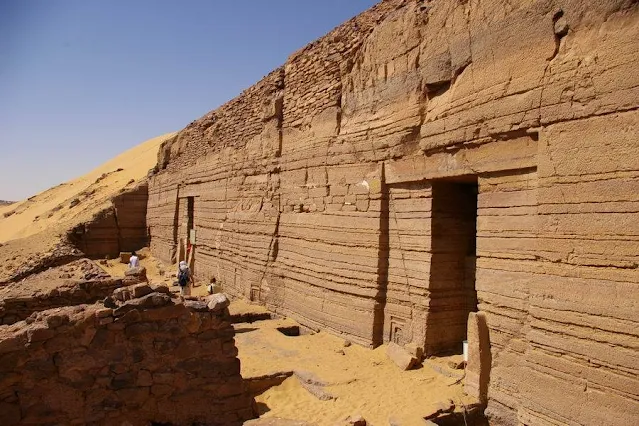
x,y
341,189
119,228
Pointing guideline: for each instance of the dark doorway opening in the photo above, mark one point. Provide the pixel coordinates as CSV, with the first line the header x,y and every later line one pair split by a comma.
x,y
453,263
190,204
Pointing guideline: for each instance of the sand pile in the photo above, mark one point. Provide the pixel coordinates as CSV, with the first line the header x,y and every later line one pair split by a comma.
x,y
32,231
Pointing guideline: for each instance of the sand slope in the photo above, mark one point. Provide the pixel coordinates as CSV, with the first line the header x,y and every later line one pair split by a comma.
x,y
81,197
31,228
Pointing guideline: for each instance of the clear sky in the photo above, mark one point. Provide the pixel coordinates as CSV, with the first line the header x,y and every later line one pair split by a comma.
x,y
83,80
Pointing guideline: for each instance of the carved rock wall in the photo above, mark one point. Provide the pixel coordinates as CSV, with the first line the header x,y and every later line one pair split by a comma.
x,y
121,227
327,205
150,360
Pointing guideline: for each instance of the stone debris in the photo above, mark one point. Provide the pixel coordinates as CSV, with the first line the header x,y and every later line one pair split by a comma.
x,y
313,385
135,276
218,301
402,358
157,362
17,303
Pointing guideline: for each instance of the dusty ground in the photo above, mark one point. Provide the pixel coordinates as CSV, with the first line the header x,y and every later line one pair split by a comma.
x,y
361,380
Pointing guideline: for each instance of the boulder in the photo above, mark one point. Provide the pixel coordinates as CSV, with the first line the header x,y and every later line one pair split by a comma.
x,y
160,288
218,302
152,300
415,350
196,305
140,290
400,356
122,294
135,276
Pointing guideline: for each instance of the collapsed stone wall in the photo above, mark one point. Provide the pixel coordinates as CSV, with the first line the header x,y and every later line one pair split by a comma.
x,y
325,211
119,228
149,360
14,308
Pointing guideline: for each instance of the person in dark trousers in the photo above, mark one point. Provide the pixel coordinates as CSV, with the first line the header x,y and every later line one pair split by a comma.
x,y
184,278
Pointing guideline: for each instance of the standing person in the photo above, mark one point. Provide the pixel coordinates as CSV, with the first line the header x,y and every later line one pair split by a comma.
x,y
184,277
134,261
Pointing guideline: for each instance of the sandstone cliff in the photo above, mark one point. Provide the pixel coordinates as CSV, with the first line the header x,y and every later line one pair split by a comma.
x,y
341,189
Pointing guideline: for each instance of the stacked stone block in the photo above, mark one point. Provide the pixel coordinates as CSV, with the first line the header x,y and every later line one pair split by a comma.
x,y
151,359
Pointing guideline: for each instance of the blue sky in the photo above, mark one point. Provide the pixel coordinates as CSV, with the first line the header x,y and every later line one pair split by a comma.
x,y
83,80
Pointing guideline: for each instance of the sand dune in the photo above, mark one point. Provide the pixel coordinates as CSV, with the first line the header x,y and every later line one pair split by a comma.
x,y
31,230
77,200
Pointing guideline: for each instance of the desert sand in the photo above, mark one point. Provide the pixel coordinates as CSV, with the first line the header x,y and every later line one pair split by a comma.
x,y
361,381
32,229
79,199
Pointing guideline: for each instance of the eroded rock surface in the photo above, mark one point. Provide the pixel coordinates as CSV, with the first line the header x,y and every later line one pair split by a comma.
x,y
342,188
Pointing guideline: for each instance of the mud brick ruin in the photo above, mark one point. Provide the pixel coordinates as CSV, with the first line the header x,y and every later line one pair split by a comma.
x,y
426,160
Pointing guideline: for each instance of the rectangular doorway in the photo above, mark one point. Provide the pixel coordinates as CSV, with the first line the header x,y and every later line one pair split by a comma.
x,y
190,205
453,262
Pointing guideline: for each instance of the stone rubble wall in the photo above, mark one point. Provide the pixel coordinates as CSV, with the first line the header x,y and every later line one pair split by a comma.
x,y
121,227
20,307
150,360
321,206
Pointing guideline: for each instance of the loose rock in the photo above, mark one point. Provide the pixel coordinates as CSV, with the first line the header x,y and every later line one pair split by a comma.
x,y
400,356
